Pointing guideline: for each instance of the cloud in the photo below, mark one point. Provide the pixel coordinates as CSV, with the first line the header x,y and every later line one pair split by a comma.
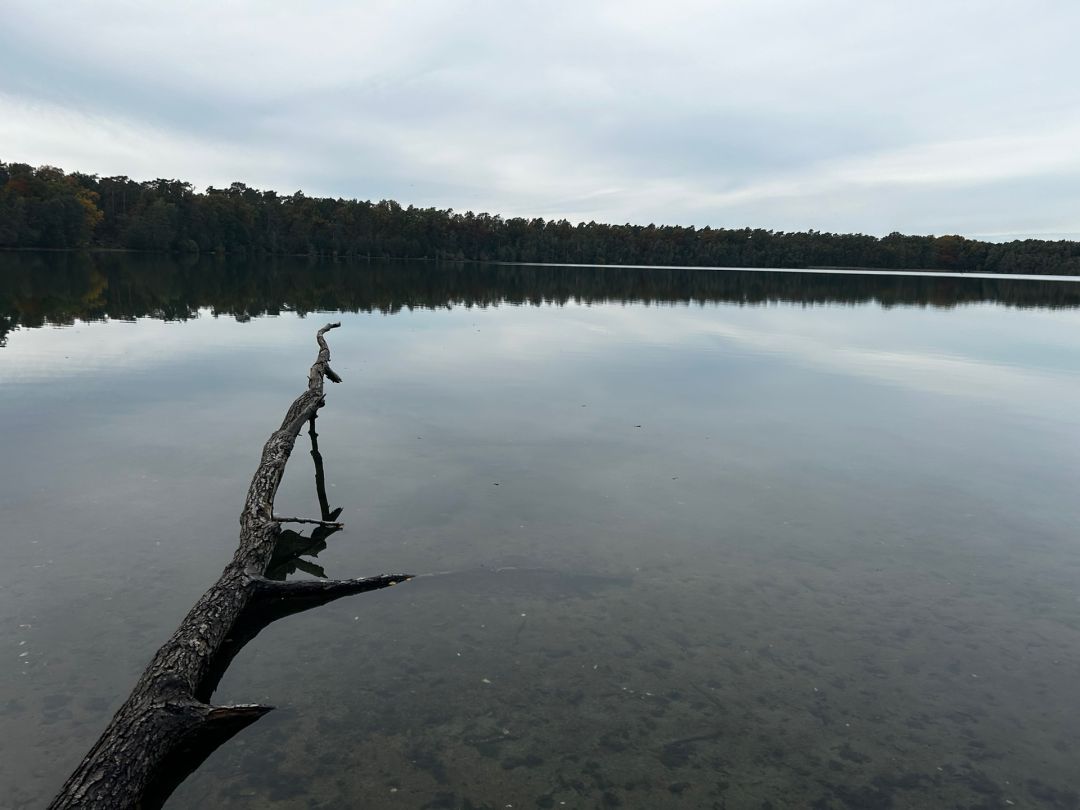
x,y
42,133
833,115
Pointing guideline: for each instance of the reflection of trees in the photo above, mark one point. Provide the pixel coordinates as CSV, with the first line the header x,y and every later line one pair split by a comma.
x,y
57,288
292,545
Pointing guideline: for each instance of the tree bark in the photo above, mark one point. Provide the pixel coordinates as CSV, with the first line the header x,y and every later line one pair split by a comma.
x,y
167,727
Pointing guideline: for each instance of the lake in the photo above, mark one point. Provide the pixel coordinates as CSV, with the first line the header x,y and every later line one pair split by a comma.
x,y
693,538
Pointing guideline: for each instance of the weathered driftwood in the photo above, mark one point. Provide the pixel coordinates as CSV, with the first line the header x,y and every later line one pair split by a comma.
x,y
167,726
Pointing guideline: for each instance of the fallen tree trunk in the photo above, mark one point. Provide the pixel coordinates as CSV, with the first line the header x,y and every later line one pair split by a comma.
x,y
167,726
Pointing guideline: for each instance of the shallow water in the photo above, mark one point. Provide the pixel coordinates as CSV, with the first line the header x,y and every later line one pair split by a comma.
x,y
700,539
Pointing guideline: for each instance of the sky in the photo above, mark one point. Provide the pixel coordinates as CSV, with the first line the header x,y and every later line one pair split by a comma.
x,y
834,115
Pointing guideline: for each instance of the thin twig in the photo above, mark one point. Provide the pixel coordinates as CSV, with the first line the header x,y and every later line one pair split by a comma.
x,y
330,523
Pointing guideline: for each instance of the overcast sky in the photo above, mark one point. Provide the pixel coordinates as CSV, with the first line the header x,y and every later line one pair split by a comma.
x,y
923,117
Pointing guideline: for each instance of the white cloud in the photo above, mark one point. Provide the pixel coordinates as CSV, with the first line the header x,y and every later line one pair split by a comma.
x,y
44,133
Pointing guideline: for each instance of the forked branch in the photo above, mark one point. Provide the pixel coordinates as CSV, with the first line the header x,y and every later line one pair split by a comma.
x,y
167,727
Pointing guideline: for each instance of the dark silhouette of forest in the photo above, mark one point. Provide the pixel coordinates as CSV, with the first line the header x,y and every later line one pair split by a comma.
x,y
39,288
45,208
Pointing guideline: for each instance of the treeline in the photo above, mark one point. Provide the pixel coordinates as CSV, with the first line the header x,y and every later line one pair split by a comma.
x,y
59,288
45,208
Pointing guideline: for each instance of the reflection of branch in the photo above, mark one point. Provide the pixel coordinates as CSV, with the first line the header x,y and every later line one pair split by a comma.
x,y
309,568
320,475
291,547
167,727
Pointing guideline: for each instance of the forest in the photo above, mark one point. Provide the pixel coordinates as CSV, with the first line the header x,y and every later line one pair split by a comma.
x,y
44,207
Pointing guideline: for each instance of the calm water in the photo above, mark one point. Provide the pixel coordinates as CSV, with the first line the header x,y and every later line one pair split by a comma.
x,y
716,539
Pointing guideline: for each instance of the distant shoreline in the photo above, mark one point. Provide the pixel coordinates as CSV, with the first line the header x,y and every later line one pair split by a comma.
x,y
817,269
837,271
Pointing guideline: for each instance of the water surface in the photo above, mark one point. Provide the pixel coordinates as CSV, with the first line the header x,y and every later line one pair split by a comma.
x,y
715,539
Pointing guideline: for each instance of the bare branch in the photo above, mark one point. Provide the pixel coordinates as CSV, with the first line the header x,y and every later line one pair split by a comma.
x,y
325,589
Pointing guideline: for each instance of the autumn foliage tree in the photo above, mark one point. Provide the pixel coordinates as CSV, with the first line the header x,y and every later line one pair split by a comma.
x,y
43,207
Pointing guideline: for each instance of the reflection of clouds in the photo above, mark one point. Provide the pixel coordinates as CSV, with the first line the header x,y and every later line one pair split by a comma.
x,y
98,348
850,341
937,373
511,340
918,349
829,340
